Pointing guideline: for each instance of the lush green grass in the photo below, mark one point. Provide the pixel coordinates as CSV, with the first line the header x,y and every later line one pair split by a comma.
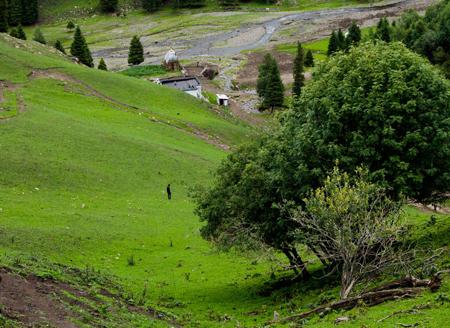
x,y
82,182
145,71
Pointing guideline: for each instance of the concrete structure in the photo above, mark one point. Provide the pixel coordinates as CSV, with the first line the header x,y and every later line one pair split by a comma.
x,y
189,84
222,100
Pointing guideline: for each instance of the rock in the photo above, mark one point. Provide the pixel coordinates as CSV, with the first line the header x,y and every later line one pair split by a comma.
x,y
341,319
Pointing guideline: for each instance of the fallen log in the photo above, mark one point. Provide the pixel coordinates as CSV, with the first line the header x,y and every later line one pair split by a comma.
x,y
407,287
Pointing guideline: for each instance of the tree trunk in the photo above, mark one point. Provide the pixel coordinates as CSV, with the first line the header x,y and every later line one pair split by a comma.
x,y
296,261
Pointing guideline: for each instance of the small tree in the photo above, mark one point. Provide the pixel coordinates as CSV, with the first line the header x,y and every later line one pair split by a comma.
x,y
340,40
299,78
102,65
59,47
383,31
309,59
136,53
274,94
333,44
39,37
14,33
263,69
70,25
21,33
355,225
3,16
151,5
108,6
80,49
353,36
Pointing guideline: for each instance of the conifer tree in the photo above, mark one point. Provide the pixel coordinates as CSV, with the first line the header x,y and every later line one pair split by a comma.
x,y
340,40
136,53
80,49
274,94
30,12
332,44
70,25
102,65
383,30
39,37
14,12
263,69
3,16
59,47
108,6
353,36
21,33
299,78
151,5
309,59
14,33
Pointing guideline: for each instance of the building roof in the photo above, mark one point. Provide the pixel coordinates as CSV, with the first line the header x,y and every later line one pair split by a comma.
x,y
221,96
183,83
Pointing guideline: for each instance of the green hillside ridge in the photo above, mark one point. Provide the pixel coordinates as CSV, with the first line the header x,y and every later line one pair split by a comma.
x,y
85,158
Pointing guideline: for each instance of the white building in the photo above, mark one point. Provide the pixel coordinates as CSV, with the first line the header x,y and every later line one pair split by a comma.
x,y
222,100
189,84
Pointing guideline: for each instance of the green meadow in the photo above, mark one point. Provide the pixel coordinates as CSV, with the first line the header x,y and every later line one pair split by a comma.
x,y
84,167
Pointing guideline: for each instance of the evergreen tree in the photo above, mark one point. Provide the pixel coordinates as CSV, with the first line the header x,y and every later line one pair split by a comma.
x,y
151,5
263,69
136,53
108,6
332,44
21,33
59,47
309,59
39,37
30,12
102,65
340,40
383,30
14,12
274,94
14,33
229,4
80,49
70,25
3,16
299,78
353,36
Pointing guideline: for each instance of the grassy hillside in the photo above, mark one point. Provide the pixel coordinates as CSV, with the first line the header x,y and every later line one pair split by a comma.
x,y
85,157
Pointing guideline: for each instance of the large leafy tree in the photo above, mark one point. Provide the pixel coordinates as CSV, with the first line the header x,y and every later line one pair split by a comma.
x,y
80,49
136,52
379,106
299,78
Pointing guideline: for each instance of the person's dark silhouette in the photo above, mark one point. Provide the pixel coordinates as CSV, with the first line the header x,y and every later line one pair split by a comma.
x,y
169,192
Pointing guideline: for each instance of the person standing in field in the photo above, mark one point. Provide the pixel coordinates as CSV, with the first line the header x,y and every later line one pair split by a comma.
x,y
169,192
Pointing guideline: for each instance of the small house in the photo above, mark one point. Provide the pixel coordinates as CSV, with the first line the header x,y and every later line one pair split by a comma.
x,y
188,84
222,100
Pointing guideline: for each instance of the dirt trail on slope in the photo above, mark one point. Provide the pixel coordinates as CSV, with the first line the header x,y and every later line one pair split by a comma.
x,y
90,91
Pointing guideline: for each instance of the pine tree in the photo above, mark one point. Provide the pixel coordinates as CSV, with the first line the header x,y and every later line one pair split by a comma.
x,y
151,5
136,53
332,44
21,33
30,12
341,40
383,30
70,25
263,69
14,12
309,59
59,47
80,49
3,16
353,36
299,78
274,94
14,33
39,37
108,6
102,65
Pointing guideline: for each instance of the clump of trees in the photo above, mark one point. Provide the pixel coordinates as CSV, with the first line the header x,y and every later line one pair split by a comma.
x,y
16,12
269,86
340,42
378,106
80,49
109,6
136,52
